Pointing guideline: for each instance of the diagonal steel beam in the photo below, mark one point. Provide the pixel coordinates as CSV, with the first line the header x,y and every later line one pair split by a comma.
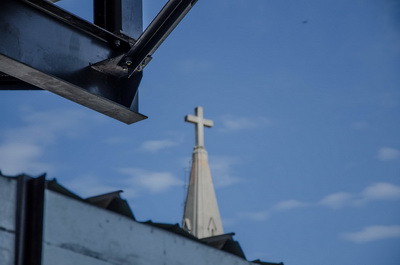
x,y
142,50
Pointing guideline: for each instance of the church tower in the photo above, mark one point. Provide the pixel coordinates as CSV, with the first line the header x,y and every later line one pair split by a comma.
x,y
201,215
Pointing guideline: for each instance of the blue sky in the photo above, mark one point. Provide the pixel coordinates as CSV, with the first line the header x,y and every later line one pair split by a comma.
x,y
305,151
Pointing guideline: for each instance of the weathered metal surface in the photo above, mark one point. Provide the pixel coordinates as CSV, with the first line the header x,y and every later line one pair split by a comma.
x,y
119,16
8,190
132,18
8,82
54,51
79,233
97,65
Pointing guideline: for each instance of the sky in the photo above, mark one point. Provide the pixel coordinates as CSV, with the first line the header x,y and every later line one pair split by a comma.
x,y
305,148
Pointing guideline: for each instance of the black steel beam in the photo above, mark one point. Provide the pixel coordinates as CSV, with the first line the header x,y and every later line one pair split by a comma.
x,y
108,14
81,24
98,66
47,51
8,82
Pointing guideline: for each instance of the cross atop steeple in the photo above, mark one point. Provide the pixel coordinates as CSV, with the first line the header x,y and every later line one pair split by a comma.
x,y
200,123
201,216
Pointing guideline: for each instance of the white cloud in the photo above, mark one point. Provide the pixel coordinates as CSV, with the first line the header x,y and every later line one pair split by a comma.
x,y
89,185
381,191
375,192
22,148
132,182
156,145
18,158
337,200
232,123
388,154
154,182
373,233
221,170
257,216
289,204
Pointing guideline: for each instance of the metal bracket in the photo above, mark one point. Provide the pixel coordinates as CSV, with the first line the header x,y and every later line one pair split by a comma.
x,y
142,50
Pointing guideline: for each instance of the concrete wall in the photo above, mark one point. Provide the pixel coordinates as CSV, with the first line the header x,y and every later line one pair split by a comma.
x,y
8,197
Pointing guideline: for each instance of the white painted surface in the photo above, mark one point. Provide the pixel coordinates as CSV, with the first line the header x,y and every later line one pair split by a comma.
x,y
78,233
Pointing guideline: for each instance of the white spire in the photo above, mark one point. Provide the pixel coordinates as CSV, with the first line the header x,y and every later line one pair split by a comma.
x,y
201,216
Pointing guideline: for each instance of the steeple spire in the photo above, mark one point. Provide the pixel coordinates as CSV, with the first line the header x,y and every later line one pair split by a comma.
x,y
201,216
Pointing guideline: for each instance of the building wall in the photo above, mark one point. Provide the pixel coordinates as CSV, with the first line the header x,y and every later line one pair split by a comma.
x,y
8,197
82,234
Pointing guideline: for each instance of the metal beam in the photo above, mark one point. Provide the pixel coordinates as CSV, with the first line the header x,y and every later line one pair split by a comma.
x,y
42,48
8,82
97,65
155,34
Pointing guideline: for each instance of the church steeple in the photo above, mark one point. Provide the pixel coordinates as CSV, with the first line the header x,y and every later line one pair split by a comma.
x,y
201,216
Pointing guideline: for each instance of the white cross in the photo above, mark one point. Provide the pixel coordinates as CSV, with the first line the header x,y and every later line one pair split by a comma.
x,y
200,123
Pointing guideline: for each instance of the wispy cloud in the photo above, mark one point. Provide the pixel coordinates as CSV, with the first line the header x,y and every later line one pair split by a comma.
x,y
264,214
257,216
22,148
245,216
374,192
338,200
91,185
388,154
133,182
381,191
16,158
373,233
221,168
154,146
154,182
289,204
232,123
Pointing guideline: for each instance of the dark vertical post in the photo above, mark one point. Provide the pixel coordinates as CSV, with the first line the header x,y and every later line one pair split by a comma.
x,y
29,220
108,14
132,18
